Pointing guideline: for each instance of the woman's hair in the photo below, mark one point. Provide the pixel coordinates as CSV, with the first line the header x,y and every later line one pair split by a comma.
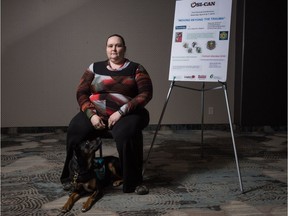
x,y
117,35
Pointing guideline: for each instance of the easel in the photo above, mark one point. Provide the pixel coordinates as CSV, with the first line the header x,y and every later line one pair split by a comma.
x,y
202,90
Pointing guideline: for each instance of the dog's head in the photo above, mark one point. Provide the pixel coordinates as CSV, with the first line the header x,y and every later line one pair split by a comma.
x,y
88,148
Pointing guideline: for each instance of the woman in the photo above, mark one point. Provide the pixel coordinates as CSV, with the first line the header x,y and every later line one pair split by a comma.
x,y
112,95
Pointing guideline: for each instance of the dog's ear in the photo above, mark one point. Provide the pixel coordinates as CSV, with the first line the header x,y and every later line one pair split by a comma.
x,y
96,143
93,142
99,141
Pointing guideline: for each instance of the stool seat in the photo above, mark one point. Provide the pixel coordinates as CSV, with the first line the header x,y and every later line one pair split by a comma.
x,y
107,134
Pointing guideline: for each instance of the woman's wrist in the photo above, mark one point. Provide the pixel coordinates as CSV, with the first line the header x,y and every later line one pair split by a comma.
x,y
121,112
92,116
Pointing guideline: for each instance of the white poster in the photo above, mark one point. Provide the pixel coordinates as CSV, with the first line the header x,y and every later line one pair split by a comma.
x,y
200,41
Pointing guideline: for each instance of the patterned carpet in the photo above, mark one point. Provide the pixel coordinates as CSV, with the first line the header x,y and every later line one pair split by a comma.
x,y
180,181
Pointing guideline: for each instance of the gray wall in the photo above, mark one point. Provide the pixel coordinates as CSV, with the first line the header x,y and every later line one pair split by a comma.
x,y
47,45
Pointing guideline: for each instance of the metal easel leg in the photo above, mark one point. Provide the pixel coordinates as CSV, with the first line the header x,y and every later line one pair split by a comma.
x,y
158,125
232,135
202,120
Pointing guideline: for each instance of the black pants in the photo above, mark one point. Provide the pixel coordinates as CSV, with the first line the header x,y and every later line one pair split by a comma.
x,y
127,133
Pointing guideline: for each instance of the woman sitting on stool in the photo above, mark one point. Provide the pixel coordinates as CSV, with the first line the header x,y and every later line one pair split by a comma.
x,y
112,95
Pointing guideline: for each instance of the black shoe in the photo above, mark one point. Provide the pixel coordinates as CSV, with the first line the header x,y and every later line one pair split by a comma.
x,y
128,189
67,186
141,190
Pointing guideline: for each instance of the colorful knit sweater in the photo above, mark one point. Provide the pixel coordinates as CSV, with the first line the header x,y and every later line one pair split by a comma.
x,y
102,91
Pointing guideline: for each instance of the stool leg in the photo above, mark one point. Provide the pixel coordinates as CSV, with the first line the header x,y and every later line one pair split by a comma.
x,y
100,149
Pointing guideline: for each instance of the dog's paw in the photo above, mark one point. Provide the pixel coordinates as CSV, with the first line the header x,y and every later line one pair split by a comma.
x,y
70,202
68,206
66,209
91,200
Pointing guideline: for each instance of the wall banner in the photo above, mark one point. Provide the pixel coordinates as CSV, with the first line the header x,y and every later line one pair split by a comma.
x,y
200,41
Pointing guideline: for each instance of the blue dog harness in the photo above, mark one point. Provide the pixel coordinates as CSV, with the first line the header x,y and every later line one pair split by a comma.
x,y
99,168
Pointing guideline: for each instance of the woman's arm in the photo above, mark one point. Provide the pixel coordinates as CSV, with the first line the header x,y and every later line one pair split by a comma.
x,y
84,92
145,91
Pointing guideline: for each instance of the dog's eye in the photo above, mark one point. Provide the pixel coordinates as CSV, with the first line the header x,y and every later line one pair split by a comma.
x,y
87,144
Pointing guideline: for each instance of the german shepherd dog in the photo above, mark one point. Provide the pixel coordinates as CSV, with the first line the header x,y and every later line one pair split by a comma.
x,y
105,170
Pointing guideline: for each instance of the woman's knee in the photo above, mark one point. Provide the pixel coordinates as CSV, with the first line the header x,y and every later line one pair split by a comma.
x,y
79,129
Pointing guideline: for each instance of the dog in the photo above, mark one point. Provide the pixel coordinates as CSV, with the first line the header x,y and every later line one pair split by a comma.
x,y
104,171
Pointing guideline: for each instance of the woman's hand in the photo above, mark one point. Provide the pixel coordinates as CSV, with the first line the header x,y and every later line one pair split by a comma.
x,y
97,122
113,119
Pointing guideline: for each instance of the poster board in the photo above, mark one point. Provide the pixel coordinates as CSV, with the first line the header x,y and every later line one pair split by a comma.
x,y
200,41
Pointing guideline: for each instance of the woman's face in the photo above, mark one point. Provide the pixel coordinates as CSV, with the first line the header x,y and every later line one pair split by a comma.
x,y
115,49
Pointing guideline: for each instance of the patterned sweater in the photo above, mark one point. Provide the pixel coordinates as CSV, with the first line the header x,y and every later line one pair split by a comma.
x,y
102,91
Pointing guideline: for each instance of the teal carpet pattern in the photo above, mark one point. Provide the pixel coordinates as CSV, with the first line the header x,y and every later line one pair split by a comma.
x,y
181,182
